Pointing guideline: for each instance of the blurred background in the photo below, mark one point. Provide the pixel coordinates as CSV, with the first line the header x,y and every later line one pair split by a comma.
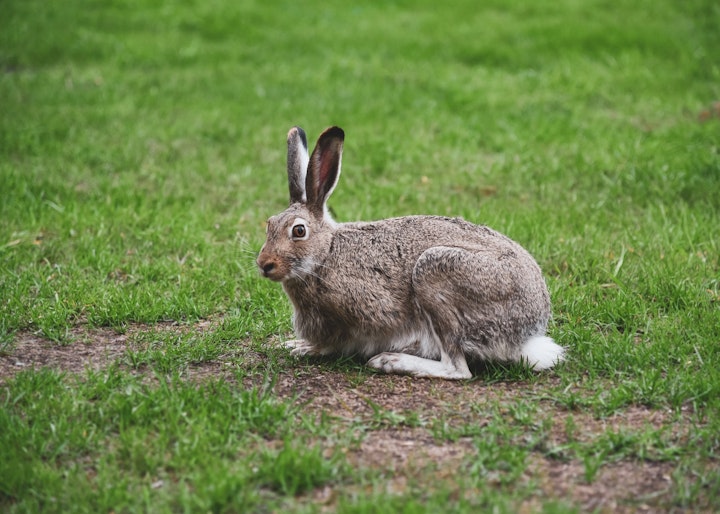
x,y
134,130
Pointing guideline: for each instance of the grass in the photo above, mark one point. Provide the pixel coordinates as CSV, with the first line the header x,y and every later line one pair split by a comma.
x,y
142,148
132,438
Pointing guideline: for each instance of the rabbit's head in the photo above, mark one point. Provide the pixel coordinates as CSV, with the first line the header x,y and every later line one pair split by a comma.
x,y
299,237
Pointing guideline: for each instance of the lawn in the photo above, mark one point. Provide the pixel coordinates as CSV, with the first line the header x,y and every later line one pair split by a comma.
x,y
142,148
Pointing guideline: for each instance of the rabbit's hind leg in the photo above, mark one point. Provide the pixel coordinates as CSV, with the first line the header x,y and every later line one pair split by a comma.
x,y
406,364
466,294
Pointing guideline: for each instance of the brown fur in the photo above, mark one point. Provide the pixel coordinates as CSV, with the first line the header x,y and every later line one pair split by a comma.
x,y
441,289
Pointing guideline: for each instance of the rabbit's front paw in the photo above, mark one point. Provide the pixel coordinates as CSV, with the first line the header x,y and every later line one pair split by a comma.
x,y
301,348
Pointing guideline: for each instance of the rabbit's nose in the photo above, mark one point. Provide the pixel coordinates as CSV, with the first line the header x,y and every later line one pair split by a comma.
x,y
268,265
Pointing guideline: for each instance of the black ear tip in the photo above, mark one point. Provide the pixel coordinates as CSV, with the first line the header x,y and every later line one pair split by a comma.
x,y
334,132
302,135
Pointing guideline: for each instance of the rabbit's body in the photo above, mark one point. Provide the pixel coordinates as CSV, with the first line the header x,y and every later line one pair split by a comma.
x,y
365,296
419,294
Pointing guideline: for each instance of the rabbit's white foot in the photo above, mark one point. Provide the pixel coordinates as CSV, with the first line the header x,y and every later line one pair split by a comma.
x,y
405,364
301,348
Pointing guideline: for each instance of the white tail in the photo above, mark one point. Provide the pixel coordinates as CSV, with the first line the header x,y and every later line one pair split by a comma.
x,y
541,352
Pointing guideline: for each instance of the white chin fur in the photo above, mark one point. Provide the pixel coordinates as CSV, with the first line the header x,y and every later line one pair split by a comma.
x,y
541,352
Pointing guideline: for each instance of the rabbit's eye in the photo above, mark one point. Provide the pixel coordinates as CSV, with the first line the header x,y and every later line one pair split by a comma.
x,y
299,231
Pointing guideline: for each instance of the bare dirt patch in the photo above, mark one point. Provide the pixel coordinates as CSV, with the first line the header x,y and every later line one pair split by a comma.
x,y
93,349
403,451
397,413
625,486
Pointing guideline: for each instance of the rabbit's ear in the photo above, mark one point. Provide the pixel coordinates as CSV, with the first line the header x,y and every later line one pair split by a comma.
x,y
297,163
324,168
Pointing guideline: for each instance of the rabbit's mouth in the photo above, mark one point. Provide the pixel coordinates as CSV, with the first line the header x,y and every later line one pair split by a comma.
x,y
272,272
273,276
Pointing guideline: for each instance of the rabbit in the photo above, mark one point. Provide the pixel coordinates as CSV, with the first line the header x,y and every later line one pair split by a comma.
x,y
417,295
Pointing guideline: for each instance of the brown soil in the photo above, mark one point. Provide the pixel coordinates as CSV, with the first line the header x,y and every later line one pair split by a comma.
x,y
401,450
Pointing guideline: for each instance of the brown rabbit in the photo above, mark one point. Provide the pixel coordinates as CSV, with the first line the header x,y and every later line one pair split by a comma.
x,y
420,295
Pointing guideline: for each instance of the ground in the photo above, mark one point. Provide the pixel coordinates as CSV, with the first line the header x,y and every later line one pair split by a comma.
x,y
403,412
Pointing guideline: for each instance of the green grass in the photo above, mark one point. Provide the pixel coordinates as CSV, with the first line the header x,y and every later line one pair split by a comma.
x,y
130,438
142,147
